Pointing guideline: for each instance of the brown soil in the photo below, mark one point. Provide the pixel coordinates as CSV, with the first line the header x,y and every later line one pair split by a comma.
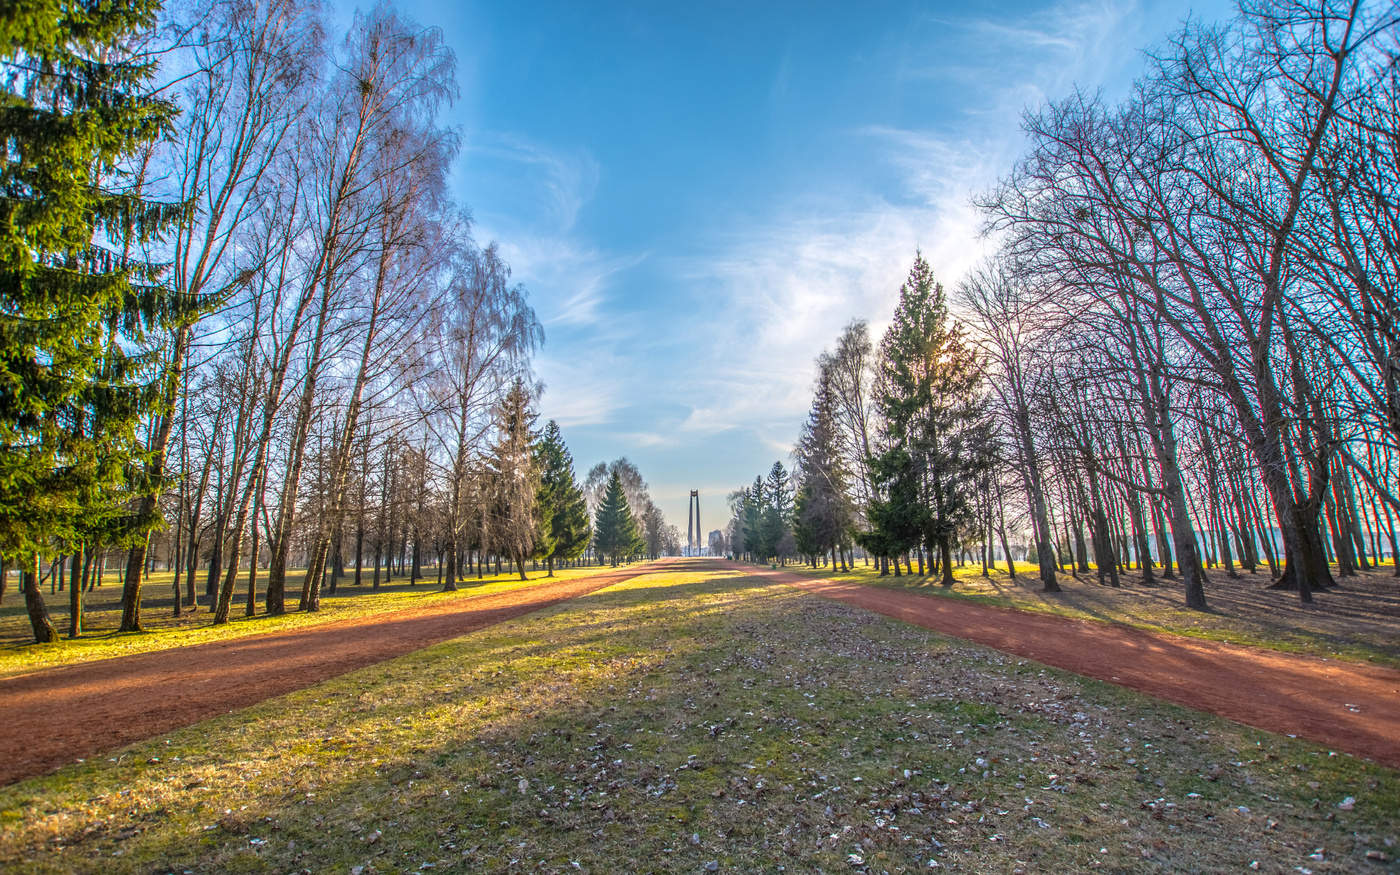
x,y
1347,706
54,716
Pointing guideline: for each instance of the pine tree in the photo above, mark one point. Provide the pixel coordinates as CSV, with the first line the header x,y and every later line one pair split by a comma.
x,y
563,508
78,368
616,534
935,425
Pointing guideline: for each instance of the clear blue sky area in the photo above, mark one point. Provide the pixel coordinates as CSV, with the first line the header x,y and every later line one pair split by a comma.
x,y
700,196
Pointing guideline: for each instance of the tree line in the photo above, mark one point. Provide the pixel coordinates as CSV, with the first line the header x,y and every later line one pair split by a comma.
x,y
244,325
1185,354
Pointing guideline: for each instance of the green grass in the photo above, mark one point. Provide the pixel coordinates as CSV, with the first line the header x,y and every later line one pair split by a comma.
x,y
1357,622
686,719
19,654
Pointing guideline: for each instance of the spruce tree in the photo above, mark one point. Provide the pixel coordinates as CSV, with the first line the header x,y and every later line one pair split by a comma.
x,y
935,423
897,517
563,509
79,370
775,528
616,535
753,521
822,515
516,528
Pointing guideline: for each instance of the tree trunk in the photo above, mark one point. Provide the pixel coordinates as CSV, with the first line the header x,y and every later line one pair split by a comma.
x,y
1040,520
250,608
75,594
449,579
44,631
216,561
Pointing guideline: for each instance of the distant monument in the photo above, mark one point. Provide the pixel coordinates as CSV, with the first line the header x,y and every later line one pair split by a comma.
x,y
693,532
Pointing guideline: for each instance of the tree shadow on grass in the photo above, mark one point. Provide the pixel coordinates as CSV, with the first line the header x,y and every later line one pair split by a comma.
x,y
609,731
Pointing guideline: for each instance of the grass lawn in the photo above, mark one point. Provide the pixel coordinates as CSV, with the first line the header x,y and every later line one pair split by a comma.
x,y
1359,621
102,615
690,722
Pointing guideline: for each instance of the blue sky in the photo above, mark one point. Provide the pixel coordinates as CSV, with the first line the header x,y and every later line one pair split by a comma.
x,y
700,196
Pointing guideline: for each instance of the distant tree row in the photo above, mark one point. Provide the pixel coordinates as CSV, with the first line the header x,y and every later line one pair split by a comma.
x,y
244,327
627,523
762,525
1186,354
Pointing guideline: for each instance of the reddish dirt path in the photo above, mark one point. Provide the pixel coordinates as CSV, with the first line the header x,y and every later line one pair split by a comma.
x,y
54,716
1348,706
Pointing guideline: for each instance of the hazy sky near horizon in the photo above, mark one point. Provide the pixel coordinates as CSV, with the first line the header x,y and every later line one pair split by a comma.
x,y
700,196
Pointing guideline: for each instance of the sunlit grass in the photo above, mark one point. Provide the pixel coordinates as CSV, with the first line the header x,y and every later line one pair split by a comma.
x,y
682,719
1357,622
102,616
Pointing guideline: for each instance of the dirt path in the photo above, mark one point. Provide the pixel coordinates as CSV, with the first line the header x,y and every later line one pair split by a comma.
x,y
54,716
1347,706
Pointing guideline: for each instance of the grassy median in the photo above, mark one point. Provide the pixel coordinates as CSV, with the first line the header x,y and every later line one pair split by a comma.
x,y
689,722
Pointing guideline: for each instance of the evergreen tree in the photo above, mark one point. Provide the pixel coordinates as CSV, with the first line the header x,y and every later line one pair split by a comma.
x,y
775,529
616,535
516,527
822,514
563,507
752,524
78,368
896,515
927,390
744,517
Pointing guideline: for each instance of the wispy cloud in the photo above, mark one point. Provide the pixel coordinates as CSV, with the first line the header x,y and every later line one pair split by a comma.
x,y
1040,52
794,282
569,280
562,182
792,279
645,438
579,393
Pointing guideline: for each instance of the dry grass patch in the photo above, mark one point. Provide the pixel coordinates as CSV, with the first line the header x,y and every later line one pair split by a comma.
x,y
1359,621
687,722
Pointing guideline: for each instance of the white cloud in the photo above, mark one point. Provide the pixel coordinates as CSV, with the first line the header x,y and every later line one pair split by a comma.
x,y
568,278
564,181
792,284
789,283
578,393
1045,51
568,281
645,438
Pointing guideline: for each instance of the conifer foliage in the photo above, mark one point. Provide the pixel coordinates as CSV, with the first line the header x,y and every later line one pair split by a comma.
x,y
935,431
823,517
563,510
81,317
616,535
517,526
904,481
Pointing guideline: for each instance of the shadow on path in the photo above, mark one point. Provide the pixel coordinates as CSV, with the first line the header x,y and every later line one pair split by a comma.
x,y
54,716
1349,706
